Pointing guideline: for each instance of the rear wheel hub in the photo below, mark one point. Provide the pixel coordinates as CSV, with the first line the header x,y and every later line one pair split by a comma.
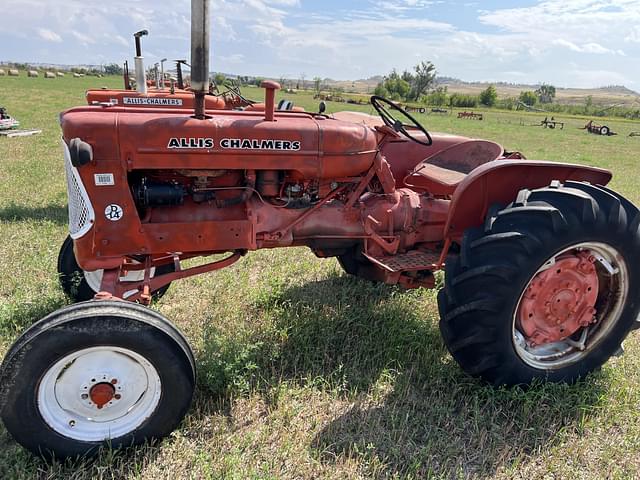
x,y
560,300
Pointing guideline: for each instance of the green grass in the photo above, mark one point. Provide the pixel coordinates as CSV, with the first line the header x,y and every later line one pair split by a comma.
x,y
305,372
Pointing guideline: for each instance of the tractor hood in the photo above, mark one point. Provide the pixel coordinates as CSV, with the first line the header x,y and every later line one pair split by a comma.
x,y
313,146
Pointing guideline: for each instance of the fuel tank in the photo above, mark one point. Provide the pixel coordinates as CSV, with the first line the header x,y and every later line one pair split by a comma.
x,y
307,146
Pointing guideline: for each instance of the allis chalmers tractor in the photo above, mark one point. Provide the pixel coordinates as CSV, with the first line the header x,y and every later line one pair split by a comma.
x,y
156,93
540,258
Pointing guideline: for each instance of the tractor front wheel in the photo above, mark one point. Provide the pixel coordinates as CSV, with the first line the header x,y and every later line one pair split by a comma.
x,y
81,285
96,373
546,289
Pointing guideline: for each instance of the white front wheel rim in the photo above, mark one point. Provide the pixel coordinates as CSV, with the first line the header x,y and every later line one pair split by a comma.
x,y
67,390
94,279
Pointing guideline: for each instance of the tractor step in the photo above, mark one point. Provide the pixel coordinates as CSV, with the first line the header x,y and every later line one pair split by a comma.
x,y
403,262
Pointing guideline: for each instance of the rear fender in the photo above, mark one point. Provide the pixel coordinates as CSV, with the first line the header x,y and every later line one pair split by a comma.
x,y
499,182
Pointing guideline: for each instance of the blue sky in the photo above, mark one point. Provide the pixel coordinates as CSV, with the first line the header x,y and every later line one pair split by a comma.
x,y
579,43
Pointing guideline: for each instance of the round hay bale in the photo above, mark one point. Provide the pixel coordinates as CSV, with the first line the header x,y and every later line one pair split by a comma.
x,y
32,73
60,74
2,73
76,75
14,73
49,75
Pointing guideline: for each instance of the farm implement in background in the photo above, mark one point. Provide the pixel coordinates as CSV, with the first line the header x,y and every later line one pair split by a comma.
x,y
540,258
9,126
545,123
471,115
552,124
7,122
414,109
598,129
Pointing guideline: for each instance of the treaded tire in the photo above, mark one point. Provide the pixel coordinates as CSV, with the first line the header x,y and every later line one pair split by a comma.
x,y
484,282
94,324
349,262
354,263
73,280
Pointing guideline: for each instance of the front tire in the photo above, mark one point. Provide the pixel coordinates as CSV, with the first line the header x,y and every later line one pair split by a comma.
x,y
491,286
92,373
80,285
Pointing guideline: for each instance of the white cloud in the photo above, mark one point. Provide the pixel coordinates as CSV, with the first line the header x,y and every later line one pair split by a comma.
x,y
49,35
235,59
591,47
286,3
82,38
633,36
402,5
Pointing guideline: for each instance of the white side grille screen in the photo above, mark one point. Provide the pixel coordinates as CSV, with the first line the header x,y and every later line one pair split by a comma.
x,y
81,214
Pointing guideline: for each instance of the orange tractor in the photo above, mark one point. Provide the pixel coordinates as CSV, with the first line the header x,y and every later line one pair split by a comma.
x,y
540,258
160,93
156,93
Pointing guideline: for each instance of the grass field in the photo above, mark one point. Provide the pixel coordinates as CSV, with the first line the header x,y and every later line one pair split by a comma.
x,y
305,372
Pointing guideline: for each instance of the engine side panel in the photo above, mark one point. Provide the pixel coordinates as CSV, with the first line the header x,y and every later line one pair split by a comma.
x,y
128,143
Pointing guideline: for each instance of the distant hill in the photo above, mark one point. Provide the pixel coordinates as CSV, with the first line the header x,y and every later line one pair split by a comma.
x,y
609,95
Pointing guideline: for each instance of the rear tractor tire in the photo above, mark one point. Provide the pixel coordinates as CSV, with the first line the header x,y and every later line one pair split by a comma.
x,y
96,373
80,285
547,289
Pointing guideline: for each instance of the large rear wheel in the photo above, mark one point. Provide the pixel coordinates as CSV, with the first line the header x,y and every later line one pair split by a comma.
x,y
546,289
94,373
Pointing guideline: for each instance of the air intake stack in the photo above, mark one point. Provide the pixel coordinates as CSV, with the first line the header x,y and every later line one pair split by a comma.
x,y
141,75
200,54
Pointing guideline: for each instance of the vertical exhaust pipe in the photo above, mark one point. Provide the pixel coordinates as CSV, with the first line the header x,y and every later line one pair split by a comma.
x,y
200,53
179,64
162,73
156,74
141,75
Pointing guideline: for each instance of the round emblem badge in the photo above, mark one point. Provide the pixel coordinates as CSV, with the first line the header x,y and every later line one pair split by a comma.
x,y
113,212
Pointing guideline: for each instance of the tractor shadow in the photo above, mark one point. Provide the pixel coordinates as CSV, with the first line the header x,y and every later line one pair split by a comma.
x,y
357,339
18,213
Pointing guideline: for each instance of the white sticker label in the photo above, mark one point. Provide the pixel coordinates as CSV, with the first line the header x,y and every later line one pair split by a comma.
x,y
113,212
160,101
102,179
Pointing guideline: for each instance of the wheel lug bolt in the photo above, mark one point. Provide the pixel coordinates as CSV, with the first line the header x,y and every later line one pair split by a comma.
x,y
114,381
117,396
84,396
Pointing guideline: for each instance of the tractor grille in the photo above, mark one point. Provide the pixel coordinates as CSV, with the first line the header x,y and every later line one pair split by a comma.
x,y
81,214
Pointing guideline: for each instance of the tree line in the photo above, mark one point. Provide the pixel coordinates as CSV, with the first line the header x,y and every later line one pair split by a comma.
x,y
420,85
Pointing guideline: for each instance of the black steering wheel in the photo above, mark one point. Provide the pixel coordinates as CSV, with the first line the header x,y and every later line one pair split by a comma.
x,y
381,103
